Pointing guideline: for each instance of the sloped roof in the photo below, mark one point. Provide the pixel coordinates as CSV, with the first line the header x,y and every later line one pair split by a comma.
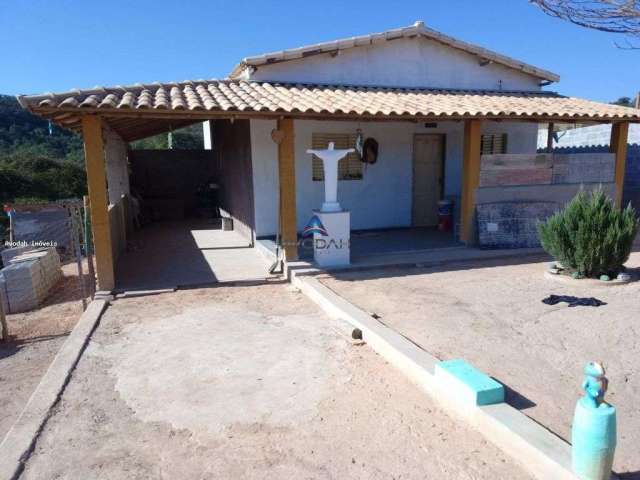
x,y
418,29
192,101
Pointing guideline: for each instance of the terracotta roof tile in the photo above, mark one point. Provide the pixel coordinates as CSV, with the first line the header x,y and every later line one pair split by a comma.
x,y
238,96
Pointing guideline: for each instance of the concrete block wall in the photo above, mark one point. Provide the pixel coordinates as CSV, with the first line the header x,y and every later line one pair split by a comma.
x,y
595,139
518,191
512,224
118,226
546,169
592,136
584,168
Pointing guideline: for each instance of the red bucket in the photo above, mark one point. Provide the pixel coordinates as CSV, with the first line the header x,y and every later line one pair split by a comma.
x,y
445,215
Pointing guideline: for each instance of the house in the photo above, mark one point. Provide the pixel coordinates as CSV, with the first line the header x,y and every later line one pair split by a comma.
x,y
451,120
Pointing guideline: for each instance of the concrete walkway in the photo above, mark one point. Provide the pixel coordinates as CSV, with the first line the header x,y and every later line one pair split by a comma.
x,y
178,254
250,382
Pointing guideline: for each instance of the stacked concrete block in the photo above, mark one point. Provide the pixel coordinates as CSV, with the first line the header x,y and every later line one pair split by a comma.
x,y
512,224
515,169
27,280
545,169
9,253
584,168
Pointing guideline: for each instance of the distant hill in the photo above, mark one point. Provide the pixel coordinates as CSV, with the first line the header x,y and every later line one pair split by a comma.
x,y
37,163
24,133
42,161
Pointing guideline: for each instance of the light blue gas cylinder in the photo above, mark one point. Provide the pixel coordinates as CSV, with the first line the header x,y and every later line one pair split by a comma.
x,y
593,435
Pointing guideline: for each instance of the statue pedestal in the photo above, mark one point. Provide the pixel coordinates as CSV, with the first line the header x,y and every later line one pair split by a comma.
x,y
333,249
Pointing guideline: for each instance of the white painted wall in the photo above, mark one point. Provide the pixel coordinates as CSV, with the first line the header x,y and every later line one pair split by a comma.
x,y
116,165
264,159
406,62
383,197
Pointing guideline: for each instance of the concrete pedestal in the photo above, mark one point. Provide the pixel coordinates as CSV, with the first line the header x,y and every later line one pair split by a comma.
x,y
332,250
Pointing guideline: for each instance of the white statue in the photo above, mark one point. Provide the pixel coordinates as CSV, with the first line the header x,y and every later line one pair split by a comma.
x,y
330,159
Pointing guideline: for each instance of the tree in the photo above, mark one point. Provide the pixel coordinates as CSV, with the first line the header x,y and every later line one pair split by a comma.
x,y
613,16
623,102
590,236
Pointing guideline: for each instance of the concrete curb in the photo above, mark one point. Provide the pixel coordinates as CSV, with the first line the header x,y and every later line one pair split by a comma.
x,y
20,440
415,260
538,451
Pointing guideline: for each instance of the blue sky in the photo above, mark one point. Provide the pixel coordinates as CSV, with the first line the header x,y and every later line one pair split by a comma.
x,y
56,45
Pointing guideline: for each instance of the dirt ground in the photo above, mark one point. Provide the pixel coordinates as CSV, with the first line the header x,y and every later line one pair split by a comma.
x,y
35,338
246,382
491,314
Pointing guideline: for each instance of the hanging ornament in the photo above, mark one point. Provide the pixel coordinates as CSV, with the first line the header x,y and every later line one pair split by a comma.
x,y
359,143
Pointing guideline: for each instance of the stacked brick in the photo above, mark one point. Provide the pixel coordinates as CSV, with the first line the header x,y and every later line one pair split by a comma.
x,y
546,169
28,278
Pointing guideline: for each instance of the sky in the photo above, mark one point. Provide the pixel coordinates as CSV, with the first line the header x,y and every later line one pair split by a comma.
x,y
58,45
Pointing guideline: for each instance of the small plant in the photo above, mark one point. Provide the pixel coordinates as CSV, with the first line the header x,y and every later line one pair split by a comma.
x,y
590,236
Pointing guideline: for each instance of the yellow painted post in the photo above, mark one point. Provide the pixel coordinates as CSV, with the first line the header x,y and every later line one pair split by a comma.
x,y
470,179
97,182
618,146
287,174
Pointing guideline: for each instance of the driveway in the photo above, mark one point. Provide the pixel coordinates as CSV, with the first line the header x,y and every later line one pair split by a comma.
x,y
491,313
246,382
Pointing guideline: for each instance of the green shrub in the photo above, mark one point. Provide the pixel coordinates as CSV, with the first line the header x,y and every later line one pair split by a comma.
x,y
590,235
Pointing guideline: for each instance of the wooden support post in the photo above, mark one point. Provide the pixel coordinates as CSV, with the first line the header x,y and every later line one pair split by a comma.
x,y
550,137
287,174
618,146
97,182
470,179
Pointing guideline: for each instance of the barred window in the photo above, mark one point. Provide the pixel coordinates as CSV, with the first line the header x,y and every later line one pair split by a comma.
x,y
349,168
493,144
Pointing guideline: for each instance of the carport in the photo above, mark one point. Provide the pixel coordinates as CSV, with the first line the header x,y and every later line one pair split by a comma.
x,y
180,245
188,253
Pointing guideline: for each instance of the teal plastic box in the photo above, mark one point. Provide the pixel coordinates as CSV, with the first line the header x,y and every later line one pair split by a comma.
x,y
468,383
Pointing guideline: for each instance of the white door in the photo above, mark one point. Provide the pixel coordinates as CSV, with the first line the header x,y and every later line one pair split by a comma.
x,y
428,160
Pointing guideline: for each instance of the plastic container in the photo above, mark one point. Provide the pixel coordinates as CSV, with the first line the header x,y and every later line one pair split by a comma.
x,y
445,215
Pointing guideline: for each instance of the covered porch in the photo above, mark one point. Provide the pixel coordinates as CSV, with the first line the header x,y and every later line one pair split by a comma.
x,y
110,118
378,243
188,254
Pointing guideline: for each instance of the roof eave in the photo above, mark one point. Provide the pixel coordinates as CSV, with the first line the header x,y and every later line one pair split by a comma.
x,y
296,113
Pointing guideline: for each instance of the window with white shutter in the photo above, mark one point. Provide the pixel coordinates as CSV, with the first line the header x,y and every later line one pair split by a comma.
x,y
493,144
349,168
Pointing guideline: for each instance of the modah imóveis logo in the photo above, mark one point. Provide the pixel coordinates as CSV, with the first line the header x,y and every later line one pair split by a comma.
x,y
314,225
